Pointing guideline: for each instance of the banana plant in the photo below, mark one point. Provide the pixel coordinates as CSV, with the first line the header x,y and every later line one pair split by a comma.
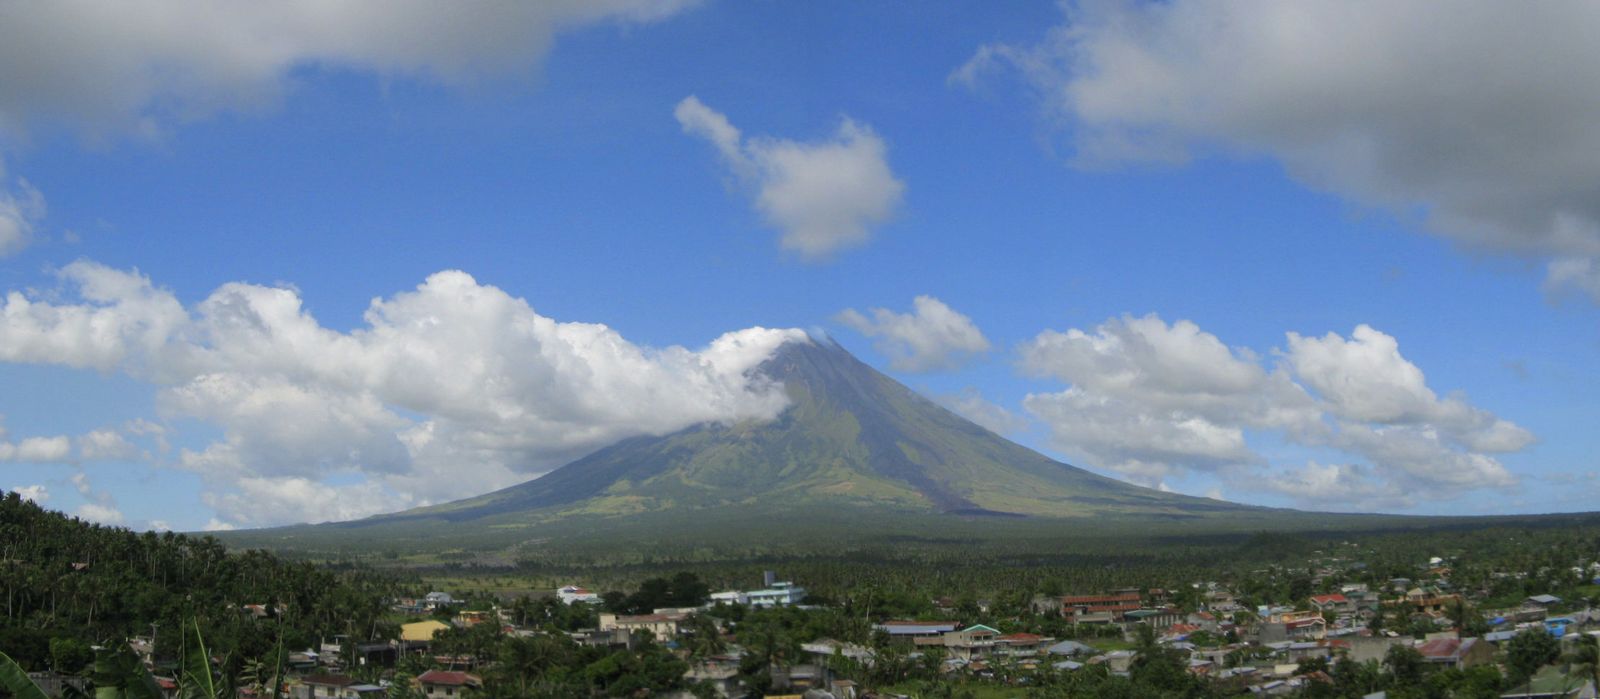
x,y
118,674
15,680
197,680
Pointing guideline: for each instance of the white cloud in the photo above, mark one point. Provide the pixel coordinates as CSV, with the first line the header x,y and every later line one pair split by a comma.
x,y
105,445
1178,369
256,502
1326,486
448,390
100,506
1394,105
96,512
824,196
33,493
38,450
137,66
123,319
1128,437
1366,380
1152,400
931,337
971,404
159,525
97,445
21,207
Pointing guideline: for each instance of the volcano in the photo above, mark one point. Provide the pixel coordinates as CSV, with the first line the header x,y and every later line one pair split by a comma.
x,y
851,438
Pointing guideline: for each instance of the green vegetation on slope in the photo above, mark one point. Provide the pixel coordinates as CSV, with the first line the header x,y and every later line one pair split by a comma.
x,y
69,584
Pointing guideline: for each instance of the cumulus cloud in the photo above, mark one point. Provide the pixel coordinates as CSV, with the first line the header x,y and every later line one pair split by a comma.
x,y
1125,436
932,337
1364,379
38,450
21,207
106,444
824,196
33,493
96,512
136,66
100,506
971,404
1393,105
256,502
121,318
1151,400
1325,485
448,390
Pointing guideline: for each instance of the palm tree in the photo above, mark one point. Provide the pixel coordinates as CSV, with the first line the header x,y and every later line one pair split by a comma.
x,y
1584,659
705,638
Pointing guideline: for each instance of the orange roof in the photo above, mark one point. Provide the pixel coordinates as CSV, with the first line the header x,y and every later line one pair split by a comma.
x,y
1101,599
1440,648
448,678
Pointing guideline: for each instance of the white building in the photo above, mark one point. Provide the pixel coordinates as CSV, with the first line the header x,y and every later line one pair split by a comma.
x,y
730,597
778,594
572,593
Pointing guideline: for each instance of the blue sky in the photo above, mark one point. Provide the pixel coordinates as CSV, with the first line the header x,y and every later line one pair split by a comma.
x,y
1327,270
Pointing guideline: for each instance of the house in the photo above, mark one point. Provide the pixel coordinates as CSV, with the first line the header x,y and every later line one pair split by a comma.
x,y
1159,618
1459,653
1042,604
336,687
421,632
437,600
572,594
826,648
622,627
719,671
441,684
1118,661
469,619
916,629
1070,649
1418,601
1021,644
1099,609
303,660
1179,632
1332,604
1544,602
1203,620
1294,626
971,643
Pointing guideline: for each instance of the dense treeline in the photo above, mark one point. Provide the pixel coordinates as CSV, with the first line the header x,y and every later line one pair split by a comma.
x,y
66,584
1502,564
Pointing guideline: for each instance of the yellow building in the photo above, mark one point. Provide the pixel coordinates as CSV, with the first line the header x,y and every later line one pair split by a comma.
x,y
421,631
